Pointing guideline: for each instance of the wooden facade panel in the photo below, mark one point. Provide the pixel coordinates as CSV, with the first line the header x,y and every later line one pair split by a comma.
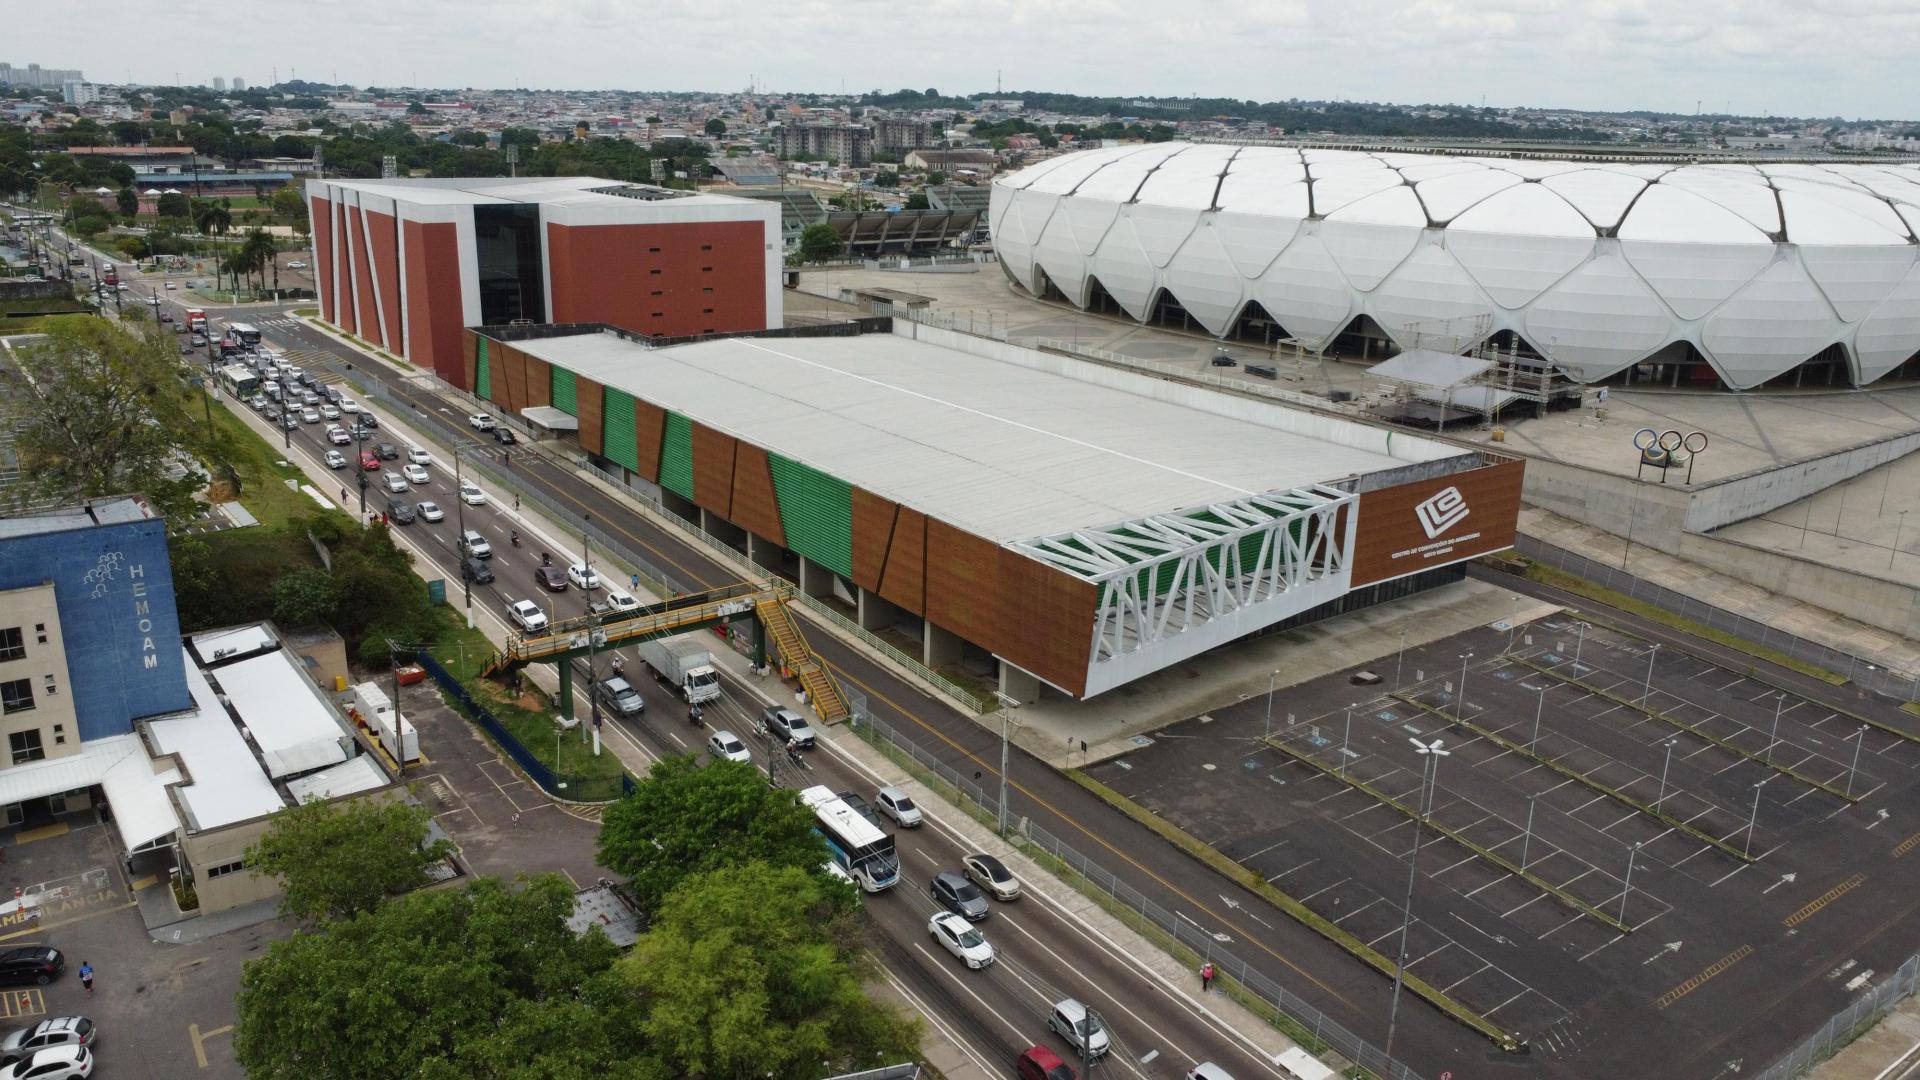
x,y
754,507
1408,528
713,453
903,577
508,367
649,427
963,583
1047,620
539,383
590,396
872,533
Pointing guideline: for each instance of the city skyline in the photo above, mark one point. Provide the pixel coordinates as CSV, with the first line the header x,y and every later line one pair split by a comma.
x,y
1744,58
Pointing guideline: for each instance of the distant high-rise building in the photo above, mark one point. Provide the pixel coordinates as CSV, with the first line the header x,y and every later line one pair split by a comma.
x,y
219,83
848,144
35,75
76,92
892,133
239,83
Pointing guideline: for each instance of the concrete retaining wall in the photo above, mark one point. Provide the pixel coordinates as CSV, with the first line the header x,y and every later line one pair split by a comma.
x,y
1876,601
1754,493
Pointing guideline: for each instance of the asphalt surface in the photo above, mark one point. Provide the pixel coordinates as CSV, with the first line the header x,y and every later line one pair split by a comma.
x,y
1583,1016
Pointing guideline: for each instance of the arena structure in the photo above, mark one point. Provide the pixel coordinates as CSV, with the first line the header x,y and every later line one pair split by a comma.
x,y
1744,272
1008,510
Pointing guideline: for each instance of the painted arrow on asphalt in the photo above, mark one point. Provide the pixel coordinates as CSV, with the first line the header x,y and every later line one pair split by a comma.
x,y
1668,949
1785,879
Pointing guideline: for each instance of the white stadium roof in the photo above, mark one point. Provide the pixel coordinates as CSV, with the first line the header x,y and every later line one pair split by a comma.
x,y
1596,264
1003,450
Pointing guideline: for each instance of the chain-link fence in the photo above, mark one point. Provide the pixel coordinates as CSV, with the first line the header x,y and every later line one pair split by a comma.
x,y
1313,1029
1846,1025
1888,682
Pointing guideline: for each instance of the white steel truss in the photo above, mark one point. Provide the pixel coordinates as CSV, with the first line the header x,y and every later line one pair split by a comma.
x,y
1170,574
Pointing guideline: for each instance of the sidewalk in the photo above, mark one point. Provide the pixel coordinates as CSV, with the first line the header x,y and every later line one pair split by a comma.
x,y
1872,1055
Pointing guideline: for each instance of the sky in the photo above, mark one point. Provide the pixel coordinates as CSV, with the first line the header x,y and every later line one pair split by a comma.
x,y
1847,58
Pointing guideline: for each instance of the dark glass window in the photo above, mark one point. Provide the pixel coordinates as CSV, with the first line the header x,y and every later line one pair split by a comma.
x,y
25,746
13,644
507,249
17,696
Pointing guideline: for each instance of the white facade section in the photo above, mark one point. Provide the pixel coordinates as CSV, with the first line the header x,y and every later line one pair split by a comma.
x,y
1598,265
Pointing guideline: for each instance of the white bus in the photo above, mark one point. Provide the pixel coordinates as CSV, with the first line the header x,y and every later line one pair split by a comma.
x,y
857,845
243,334
238,381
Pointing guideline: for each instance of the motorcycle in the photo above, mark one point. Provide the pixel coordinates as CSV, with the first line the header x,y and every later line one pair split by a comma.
x,y
693,715
514,537
546,559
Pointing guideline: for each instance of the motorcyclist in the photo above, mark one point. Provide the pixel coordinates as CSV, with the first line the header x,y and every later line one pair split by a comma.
x,y
546,559
693,714
793,751
515,537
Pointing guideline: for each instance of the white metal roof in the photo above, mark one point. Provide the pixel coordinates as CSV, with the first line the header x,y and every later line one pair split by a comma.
x,y
141,813
227,783
994,447
295,730
360,773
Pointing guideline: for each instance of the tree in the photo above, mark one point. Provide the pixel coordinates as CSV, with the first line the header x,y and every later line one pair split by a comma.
x,y
127,201
212,217
122,175
684,819
917,201
716,126
886,178
486,981
304,598
107,416
935,178
820,242
337,861
288,203
735,986
172,205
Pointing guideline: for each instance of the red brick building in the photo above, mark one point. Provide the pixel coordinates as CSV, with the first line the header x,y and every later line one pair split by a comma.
x,y
407,264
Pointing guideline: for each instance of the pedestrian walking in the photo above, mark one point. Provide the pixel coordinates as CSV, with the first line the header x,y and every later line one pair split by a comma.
x,y
1206,976
86,976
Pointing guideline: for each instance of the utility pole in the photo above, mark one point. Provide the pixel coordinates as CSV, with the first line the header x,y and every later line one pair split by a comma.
x,y
1430,753
593,631
1008,703
460,514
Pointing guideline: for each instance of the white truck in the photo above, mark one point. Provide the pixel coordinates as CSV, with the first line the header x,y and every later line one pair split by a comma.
x,y
399,737
684,665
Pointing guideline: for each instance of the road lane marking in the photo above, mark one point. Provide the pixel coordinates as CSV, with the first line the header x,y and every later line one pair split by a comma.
x,y
1817,904
1695,982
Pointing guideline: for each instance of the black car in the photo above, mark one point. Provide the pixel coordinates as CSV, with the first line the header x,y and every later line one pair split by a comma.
x,y
272,412
386,450
368,420
958,895
477,571
34,964
551,577
504,436
402,513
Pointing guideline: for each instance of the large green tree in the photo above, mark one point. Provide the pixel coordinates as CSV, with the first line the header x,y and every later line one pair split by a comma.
x,y
336,861
755,971
485,982
685,818
106,415
820,242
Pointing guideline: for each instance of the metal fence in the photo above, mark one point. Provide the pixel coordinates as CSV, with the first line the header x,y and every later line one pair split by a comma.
x,y
1888,682
1846,1025
570,788
1183,929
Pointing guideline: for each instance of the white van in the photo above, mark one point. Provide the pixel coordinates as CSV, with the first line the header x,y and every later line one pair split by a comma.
x,y
272,390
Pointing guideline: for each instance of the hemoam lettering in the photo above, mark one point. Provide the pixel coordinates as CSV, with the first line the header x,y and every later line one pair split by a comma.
x,y
1441,511
142,611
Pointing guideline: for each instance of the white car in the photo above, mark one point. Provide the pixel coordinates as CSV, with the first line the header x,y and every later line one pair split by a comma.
x,y
73,1062
294,265
311,416
338,436
396,483
336,460
419,456
416,474
583,576
899,806
527,615
725,744
347,404
618,600
330,411
171,285
481,422
471,494
430,511
961,939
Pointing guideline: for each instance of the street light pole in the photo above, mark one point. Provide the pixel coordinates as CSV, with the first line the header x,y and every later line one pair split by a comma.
x,y
1008,703
1646,690
1526,843
1430,754
460,522
1578,644
1513,624
1460,706
1860,740
1657,803
1532,747
1400,663
593,633
1344,741
1627,888
1774,739
1271,675
1753,818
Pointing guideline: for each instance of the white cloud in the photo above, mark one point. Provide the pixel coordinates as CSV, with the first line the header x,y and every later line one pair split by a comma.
x,y
1845,57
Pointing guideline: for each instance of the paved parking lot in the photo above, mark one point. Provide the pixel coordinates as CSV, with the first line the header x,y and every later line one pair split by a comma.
x,y
1625,860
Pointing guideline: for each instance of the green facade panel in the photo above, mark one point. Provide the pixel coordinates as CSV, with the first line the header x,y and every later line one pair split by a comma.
x,y
816,510
676,456
566,395
616,418
482,377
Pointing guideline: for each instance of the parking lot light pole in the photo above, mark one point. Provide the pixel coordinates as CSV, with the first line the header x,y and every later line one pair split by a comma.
x,y
1754,818
1538,711
1400,662
1646,690
1527,841
1460,704
1513,623
1657,803
1860,740
1578,643
1271,675
1774,739
1430,755
1627,889
1344,740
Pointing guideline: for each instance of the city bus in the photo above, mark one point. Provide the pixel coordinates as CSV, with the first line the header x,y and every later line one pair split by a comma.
x,y
239,381
245,335
858,846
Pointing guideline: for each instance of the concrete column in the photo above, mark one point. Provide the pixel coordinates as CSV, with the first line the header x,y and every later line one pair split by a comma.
x,y
1019,684
705,525
815,580
753,548
875,613
939,646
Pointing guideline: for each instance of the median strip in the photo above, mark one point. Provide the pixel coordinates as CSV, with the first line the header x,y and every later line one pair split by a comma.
x,y
1575,775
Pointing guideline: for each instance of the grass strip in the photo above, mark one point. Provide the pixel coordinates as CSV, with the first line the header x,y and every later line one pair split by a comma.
x,y
1575,775
1301,1035
1488,854
1682,725
1298,911
1560,579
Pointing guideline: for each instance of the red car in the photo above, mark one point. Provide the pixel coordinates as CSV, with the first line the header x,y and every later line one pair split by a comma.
x,y
1040,1063
369,461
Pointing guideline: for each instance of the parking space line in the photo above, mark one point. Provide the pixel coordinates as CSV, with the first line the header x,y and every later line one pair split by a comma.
x,y
1496,881
1602,945
1356,911
1560,927
200,1041
1523,993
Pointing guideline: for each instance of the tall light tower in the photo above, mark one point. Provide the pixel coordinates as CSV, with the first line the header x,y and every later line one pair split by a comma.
x,y
1430,753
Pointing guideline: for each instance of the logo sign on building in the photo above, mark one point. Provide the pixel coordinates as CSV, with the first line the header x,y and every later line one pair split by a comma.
x,y
1407,528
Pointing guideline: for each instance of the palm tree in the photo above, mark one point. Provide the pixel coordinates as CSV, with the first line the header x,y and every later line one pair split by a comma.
x,y
256,253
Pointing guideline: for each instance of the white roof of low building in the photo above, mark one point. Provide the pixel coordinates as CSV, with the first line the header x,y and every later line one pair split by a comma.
x,y
295,730
227,784
360,773
1001,449
141,812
